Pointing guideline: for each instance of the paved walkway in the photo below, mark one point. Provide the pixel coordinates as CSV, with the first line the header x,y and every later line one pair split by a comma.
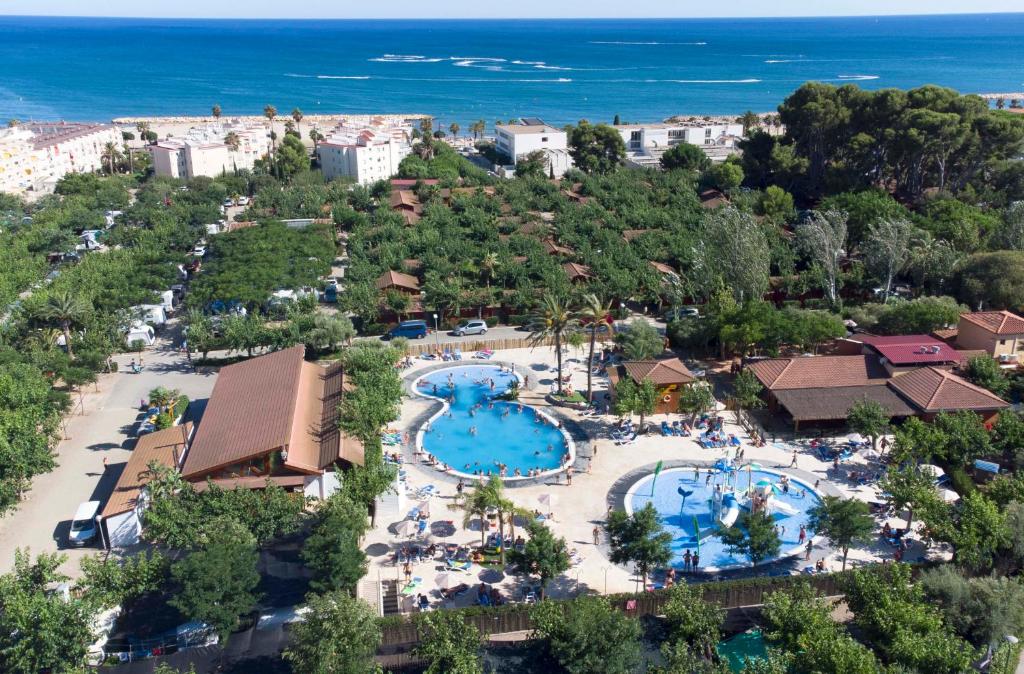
x,y
102,431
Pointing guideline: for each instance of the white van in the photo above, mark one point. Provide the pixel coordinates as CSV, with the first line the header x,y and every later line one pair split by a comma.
x,y
83,525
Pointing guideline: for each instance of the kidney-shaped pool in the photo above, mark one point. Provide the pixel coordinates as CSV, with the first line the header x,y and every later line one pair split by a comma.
x,y
478,434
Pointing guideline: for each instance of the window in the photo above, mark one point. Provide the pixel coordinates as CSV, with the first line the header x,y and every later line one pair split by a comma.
x,y
1002,342
543,139
707,132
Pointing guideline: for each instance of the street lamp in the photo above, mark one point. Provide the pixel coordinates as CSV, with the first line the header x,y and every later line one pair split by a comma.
x,y
437,335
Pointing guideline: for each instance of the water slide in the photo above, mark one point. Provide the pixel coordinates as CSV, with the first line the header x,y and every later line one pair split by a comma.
x,y
776,504
730,510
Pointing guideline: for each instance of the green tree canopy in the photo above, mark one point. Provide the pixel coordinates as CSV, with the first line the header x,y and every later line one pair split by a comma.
x,y
339,635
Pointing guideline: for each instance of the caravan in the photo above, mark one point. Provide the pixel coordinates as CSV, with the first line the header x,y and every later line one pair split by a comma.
x,y
140,332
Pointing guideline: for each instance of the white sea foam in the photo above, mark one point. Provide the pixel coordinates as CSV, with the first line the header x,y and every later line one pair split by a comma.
x,y
857,78
749,80
343,77
528,63
405,58
547,67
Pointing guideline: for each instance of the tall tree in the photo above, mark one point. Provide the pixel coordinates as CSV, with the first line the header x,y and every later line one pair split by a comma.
x,y
64,309
454,128
639,539
747,392
594,315
696,398
641,341
339,635
216,111
543,555
868,418
844,522
297,117
732,250
753,536
588,636
552,319
885,250
823,238
596,148
448,643
270,112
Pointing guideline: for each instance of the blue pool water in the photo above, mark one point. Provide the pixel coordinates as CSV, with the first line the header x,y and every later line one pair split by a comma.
x,y
504,434
713,554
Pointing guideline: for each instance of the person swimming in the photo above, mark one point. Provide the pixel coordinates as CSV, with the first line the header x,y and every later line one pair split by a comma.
x,y
472,430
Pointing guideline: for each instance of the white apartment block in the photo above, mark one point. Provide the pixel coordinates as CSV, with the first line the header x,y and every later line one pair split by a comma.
x,y
365,152
204,151
518,140
645,143
33,157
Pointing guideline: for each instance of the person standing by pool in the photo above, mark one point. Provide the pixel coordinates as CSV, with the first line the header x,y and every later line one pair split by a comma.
x,y
686,561
792,464
810,546
803,534
568,475
597,535
695,562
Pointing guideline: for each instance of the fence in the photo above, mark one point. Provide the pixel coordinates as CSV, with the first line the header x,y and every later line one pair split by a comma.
x,y
726,594
469,347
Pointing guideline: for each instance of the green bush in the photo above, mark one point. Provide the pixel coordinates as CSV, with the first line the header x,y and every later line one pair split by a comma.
x,y
374,329
518,319
492,321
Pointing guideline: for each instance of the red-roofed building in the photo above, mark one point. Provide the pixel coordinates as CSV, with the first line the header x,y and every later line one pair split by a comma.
x,y
577,272
1000,333
396,280
669,376
901,353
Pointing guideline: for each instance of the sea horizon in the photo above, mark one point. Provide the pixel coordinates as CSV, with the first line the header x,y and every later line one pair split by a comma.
x,y
461,70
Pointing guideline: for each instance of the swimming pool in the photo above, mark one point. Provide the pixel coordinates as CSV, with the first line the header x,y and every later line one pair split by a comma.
x,y
789,510
474,433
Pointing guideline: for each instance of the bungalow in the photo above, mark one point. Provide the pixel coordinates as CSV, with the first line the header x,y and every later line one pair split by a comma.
x,y
664,269
577,272
668,376
273,418
999,333
121,517
552,248
396,280
407,204
712,199
822,389
631,235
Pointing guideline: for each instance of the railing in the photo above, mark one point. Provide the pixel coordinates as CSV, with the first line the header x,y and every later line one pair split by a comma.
x,y
470,347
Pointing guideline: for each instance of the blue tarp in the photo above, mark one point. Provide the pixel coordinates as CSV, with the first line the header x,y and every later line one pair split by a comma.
x,y
987,466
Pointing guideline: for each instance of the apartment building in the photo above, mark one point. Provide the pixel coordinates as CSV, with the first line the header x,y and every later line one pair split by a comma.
x,y
205,151
645,143
33,157
515,141
365,152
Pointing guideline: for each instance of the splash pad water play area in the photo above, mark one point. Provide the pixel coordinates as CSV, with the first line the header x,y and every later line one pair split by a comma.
x,y
476,433
693,502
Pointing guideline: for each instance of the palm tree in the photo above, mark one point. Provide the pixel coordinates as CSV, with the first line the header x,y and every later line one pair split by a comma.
x,y
110,155
488,264
216,110
270,112
64,309
11,123
316,137
143,129
454,128
594,313
478,127
297,116
232,141
1000,102
131,160
552,319
474,505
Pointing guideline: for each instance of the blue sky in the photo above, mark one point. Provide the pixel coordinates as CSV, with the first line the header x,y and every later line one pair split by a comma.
x,y
475,9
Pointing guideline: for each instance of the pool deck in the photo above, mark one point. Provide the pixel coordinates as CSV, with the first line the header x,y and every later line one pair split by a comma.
x,y
603,472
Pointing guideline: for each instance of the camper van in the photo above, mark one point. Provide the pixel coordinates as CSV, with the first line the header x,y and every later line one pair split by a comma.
x,y
83,524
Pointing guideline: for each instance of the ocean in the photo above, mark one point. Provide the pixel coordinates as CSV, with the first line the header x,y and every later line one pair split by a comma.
x,y
460,71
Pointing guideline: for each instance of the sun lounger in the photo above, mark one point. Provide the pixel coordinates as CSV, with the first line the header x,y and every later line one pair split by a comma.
x,y
456,565
665,429
626,441
485,354
453,592
457,354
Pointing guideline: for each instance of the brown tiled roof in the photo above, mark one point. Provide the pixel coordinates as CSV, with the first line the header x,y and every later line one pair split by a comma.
x,y
663,268
660,372
396,279
406,199
577,271
713,199
946,334
830,404
996,322
553,248
931,389
818,372
165,447
412,264
274,402
410,217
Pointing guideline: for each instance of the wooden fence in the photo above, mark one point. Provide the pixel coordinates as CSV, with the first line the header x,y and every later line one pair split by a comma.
x,y
726,594
470,347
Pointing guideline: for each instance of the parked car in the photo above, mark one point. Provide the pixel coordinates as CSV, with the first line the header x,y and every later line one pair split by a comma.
x,y
83,524
681,312
474,326
243,201
409,330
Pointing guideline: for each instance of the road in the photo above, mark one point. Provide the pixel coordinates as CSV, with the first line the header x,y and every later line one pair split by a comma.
x,y
444,337
104,431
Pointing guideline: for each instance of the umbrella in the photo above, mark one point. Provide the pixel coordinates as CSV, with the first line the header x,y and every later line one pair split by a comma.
x,y
949,496
443,528
407,527
935,471
765,483
546,500
448,580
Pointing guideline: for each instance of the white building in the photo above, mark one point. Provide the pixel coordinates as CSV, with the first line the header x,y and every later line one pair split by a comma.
x,y
365,152
33,157
515,141
645,143
204,151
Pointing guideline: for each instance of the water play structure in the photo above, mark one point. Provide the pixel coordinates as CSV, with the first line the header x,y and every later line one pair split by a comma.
x,y
693,503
